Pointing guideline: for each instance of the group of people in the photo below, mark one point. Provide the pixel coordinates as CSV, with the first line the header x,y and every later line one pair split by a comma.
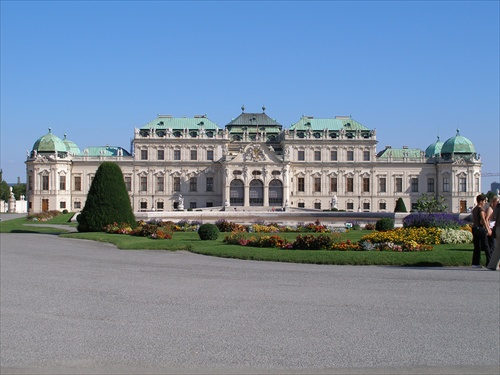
x,y
486,232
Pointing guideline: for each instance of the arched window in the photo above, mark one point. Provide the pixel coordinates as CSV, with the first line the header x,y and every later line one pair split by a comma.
x,y
276,193
256,193
237,193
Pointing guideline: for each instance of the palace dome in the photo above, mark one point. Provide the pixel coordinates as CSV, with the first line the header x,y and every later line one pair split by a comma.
x,y
49,143
71,147
434,149
458,145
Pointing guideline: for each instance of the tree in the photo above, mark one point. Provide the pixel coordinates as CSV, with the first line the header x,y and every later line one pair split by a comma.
x,y
400,206
18,190
107,201
431,203
490,195
4,191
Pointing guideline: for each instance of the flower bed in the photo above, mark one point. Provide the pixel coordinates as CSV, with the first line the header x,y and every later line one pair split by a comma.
x,y
455,236
44,216
426,236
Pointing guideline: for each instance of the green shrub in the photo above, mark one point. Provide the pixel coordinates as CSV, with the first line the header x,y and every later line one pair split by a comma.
x,y
384,224
400,206
208,232
107,201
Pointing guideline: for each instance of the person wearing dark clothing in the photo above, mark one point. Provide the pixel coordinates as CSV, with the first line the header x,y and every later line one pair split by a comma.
x,y
480,232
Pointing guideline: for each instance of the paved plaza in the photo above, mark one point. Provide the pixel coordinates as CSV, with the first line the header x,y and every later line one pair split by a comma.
x,y
81,307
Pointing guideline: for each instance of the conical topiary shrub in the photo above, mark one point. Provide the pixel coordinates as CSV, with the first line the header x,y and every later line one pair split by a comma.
x,y
107,201
400,205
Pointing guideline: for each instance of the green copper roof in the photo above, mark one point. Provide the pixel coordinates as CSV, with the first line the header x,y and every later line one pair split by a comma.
x,y
49,143
320,124
254,120
181,123
458,145
399,153
105,151
71,147
434,149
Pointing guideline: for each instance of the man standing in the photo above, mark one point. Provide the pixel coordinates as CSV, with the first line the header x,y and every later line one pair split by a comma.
x,y
480,232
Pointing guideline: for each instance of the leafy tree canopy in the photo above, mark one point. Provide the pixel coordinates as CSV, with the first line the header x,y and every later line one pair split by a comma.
x,y
431,203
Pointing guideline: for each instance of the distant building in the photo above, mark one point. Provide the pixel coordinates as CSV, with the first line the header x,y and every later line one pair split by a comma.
x,y
495,187
254,163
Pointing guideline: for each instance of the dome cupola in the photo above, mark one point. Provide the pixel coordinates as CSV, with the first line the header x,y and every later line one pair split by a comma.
x,y
458,145
434,149
49,143
71,147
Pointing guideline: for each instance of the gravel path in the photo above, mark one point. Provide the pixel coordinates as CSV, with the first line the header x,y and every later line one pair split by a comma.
x,y
80,307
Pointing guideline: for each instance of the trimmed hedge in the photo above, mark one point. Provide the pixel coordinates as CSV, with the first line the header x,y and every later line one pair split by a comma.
x,y
208,232
107,201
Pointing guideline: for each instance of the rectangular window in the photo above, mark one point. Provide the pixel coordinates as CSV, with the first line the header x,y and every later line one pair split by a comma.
x,y
382,185
144,183
30,183
462,184
414,185
430,185
333,155
477,184
301,155
350,155
144,206
210,154
350,205
160,183
144,154
78,183
210,184
301,205
349,184
159,206
77,205
399,185
317,205
192,184
317,184
177,184
192,205
446,184
317,155
382,206
62,204
366,155
366,206
194,155
161,155
45,182
128,183
209,204
177,154
333,184
366,184
414,206
300,184
62,183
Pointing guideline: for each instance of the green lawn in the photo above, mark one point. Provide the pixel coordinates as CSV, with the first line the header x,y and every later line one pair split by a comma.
x,y
442,255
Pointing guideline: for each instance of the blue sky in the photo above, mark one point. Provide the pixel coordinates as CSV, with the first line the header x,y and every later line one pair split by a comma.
x,y
95,70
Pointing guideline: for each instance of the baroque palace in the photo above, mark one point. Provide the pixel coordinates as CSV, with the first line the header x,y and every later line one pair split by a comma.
x,y
254,163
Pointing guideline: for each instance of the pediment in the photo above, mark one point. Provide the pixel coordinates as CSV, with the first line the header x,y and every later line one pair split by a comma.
x,y
256,153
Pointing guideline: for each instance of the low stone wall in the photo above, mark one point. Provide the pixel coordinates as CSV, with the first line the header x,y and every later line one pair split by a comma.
x,y
19,207
331,218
